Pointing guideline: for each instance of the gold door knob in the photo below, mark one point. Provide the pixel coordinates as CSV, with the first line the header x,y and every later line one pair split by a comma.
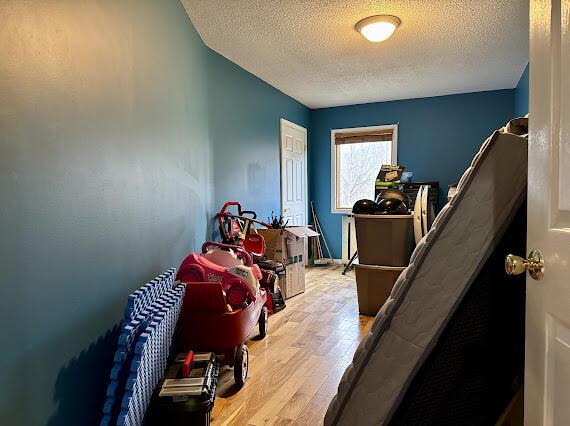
x,y
516,265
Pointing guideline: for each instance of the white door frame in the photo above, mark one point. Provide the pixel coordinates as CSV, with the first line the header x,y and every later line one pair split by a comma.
x,y
284,122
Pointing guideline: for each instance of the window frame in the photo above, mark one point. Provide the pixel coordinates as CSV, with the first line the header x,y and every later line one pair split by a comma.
x,y
334,158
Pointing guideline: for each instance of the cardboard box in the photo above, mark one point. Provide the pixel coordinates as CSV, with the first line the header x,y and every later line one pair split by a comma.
x,y
293,282
287,245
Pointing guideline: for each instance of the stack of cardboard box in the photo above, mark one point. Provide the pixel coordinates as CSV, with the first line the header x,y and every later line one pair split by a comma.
x,y
289,245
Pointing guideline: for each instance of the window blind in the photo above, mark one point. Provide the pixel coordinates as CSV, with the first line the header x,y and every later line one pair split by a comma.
x,y
359,137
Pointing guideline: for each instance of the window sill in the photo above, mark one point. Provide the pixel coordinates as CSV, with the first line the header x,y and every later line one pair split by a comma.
x,y
343,212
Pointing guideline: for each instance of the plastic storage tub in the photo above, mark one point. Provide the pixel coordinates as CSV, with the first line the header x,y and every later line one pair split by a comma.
x,y
373,286
384,239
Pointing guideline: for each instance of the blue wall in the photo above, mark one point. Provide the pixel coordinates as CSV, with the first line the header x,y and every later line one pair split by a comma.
x,y
245,133
115,123
437,138
521,94
121,134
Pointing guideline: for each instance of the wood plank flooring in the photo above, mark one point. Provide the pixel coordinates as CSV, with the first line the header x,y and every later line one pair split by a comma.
x,y
294,372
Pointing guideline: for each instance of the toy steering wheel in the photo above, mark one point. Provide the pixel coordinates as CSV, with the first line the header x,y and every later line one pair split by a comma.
x,y
240,251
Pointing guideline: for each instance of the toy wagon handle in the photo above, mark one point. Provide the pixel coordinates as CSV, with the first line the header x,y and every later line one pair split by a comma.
x,y
240,251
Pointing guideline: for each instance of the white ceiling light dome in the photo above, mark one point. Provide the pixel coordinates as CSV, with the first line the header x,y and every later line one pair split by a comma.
x,y
378,28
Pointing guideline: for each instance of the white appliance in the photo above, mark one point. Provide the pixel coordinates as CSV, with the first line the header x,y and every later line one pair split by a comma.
x,y
424,213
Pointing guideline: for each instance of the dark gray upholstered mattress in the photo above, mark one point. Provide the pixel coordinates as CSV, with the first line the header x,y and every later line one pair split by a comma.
x,y
441,270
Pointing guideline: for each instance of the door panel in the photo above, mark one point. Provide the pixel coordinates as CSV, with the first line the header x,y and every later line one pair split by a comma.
x,y
299,181
558,373
560,202
290,180
294,173
289,143
547,356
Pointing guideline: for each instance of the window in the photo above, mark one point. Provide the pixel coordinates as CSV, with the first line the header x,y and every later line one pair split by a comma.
x,y
357,155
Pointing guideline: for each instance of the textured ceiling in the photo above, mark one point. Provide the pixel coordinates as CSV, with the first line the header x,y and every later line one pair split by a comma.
x,y
309,49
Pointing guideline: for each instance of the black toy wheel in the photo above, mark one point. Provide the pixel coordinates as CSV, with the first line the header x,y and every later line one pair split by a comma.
x,y
241,364
263,322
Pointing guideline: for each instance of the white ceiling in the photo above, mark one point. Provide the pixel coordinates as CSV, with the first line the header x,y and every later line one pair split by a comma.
x,y
309,49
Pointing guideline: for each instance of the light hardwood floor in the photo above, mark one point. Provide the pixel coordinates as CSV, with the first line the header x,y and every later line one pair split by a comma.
x,y
294,372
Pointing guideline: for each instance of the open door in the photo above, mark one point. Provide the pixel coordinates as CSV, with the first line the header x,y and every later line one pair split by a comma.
x,y
547,363
293,173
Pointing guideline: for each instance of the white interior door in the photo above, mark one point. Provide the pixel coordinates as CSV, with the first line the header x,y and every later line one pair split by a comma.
x,y
293,173
547,363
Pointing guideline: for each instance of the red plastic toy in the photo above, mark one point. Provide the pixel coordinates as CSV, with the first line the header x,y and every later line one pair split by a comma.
x,y
239,229
223,303
234,228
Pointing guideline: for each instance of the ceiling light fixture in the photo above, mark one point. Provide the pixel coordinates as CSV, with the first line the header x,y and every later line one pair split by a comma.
x,y
377,28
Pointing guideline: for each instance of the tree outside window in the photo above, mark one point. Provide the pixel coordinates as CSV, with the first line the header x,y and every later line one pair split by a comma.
x,y
358,165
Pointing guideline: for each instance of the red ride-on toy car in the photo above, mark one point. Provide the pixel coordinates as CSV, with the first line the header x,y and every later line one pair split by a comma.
x,y
222,304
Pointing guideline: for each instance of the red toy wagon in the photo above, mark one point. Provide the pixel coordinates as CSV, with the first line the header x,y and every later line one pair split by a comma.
x,y
222,304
